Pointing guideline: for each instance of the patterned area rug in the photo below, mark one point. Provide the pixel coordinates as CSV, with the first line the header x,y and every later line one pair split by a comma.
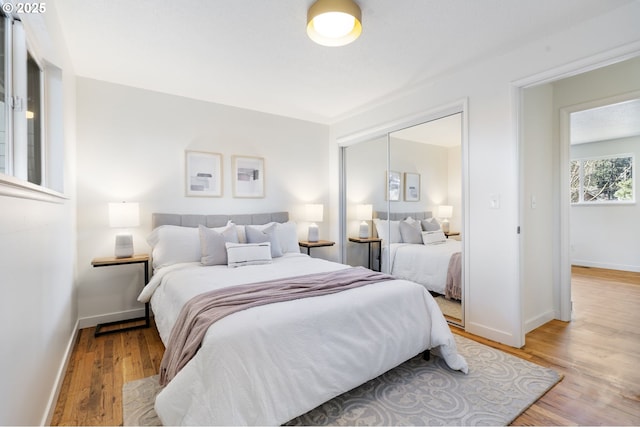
x,y
498,388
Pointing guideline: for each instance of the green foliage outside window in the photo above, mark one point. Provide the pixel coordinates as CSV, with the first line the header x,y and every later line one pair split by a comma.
x,y
607,179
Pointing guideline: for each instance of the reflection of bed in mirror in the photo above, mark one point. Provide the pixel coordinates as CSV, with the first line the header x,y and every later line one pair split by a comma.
x,y
413,248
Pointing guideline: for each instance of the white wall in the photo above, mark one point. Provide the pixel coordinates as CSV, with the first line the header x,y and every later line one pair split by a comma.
x,y
540,187
37,257
131,147
493,300
607,236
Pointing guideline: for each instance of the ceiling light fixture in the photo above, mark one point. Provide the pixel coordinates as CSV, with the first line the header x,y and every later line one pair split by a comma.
x,y
334,22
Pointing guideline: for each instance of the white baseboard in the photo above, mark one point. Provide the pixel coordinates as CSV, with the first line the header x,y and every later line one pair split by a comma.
x,y
88,322
539,320
492,334
55,392
608,266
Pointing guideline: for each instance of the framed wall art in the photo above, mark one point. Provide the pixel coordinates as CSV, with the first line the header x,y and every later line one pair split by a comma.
x,y
248,176
203,174
394,186
411,187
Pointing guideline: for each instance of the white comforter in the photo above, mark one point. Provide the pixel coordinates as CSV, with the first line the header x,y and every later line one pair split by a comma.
x,y
424,264
269,364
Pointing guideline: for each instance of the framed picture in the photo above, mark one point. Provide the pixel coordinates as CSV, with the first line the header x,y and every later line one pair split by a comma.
x,y
394,185
203,174
411,187
248,176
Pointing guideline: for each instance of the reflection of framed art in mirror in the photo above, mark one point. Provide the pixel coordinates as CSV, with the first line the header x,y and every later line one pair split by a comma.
x,y
411,187
394,185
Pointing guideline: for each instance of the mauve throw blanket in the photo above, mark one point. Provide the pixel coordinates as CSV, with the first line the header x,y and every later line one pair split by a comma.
x,y
203,310
453,288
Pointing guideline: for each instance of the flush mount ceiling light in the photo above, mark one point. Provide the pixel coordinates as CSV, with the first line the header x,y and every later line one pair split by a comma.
x,y
334,22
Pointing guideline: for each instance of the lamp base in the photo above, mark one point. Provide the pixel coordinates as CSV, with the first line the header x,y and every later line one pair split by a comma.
x,y
124,246
313,233
445,226
364,230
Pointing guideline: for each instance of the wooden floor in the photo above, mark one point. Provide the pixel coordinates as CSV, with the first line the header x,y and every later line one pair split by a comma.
x,y
598,353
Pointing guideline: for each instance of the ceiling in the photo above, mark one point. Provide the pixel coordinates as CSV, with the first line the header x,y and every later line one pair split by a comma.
x,y
613,121
255,54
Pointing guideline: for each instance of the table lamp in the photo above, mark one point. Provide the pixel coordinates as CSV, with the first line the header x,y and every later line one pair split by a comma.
x,y
124,215
364,214
313,215
445,212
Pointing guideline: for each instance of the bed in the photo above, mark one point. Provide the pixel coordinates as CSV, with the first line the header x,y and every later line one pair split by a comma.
x,y
425,256
273,362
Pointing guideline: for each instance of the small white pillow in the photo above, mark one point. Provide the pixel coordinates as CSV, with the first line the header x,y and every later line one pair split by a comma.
x,y
433,237
212,243
267,234
243,254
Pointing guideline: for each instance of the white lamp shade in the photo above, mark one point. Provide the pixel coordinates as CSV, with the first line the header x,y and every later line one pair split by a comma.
x,y
124,215
364,212
314,213
445,211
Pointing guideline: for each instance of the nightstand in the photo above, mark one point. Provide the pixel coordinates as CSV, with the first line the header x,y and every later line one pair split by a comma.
x,y
318,244
451,233
369,241
112,261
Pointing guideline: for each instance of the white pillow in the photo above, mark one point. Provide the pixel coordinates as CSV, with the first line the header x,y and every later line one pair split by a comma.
x,y
288,237
171,244
243,254
267,234
212,244
383,227
242,232
433,237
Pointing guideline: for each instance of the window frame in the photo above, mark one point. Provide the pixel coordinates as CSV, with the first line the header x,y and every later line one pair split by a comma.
x,y
10,184
597,202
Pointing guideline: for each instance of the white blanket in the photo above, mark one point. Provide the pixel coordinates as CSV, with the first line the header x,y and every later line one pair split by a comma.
x,y
269,364
424,264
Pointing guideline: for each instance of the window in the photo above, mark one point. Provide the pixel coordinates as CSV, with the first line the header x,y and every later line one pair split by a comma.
x,y
21,106
602,180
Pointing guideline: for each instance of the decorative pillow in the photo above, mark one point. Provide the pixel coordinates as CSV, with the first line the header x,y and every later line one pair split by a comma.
x,y
212,243
430,224
267,234
388,231
171,244
433,237
243,254
410,233
288,236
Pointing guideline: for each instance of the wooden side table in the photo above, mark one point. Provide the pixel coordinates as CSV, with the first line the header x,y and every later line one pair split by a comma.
x,y
318,244
369,241
451,233
111,261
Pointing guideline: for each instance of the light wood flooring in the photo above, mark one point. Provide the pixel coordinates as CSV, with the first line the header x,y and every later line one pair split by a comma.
x,y
598,353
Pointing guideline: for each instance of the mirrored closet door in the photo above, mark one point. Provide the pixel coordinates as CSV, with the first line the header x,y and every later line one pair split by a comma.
x,y
403,208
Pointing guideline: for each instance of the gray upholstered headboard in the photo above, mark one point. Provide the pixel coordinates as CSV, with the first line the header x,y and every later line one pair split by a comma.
x,y
397,216
192,220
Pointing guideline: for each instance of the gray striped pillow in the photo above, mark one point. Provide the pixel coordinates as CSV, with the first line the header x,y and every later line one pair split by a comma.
x,y
242,254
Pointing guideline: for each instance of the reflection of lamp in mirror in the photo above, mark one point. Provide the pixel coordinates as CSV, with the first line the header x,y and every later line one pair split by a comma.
x,y
364,213
313,214
124,215
445,212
